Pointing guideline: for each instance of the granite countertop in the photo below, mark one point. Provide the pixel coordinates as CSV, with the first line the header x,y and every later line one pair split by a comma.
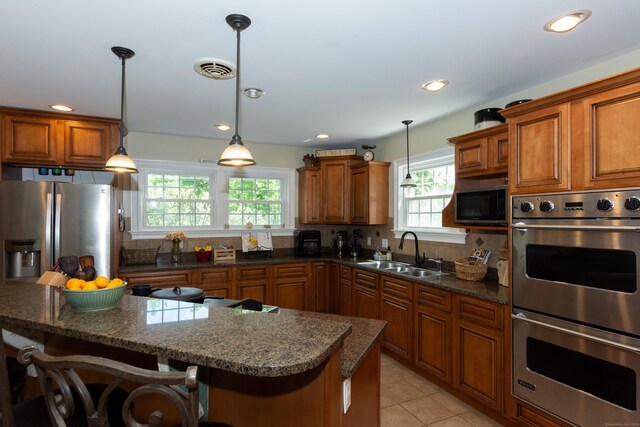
x,y
258,344
486,290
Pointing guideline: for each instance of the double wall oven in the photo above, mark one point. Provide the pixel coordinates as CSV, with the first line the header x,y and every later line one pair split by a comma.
x,y
576,305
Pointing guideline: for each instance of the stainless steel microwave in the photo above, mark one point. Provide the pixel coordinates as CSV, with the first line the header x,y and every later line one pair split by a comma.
x,y
481,206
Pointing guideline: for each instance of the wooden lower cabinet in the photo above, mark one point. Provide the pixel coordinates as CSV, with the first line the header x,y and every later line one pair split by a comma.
x,y
365,296
254,282
432,334
478,350
333,287
318,299
162,279
365,302
397,336
290,293
344,292
214,281
530,416
290,285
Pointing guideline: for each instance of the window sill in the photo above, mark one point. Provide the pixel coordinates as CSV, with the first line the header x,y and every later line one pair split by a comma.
x,y
445,235
138,235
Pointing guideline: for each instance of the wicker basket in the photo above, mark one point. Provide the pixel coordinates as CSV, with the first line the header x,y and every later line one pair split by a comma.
x,y
470,270
139,256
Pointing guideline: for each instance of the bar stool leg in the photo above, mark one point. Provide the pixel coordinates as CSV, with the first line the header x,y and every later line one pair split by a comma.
x,y
5,390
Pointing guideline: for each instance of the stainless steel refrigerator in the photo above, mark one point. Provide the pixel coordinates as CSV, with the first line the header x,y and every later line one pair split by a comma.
x,y
41,221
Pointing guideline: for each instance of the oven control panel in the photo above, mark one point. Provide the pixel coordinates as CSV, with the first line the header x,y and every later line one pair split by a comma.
x,y
587,204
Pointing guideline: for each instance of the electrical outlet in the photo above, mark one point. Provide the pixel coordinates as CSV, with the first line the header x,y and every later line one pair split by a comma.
x,y
368,241
385,243
346,394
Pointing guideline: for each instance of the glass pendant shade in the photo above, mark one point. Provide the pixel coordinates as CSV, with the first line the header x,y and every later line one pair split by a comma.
x,y
121,162
408,182
236,154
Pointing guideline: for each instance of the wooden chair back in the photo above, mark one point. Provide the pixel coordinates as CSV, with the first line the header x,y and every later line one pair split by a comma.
x,y
57,375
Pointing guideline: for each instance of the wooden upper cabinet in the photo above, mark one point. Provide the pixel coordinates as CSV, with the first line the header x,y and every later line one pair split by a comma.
x,y
309,195
540,149
336,189
33,138
29,139
499,151
344,190
612,138
482,153
472,157
579,139
369,193
87,143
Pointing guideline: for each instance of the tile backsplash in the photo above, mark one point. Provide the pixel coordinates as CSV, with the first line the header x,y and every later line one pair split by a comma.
x,y
496,242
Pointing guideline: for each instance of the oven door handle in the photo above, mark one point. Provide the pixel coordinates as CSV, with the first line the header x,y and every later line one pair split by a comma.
x,y
523,227
523,317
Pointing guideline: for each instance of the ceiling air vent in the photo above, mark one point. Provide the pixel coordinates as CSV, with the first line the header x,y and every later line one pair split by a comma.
x,y
213,68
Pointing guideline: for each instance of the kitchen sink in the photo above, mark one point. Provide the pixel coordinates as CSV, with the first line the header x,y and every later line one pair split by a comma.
x,y
400,267
421,272
383,264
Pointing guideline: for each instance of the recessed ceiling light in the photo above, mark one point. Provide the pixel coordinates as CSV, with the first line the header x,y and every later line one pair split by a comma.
x,y
223,126
568,21
434,85
253,92
323,136
60,107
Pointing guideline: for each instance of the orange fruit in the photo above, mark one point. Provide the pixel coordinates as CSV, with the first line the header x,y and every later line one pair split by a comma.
x,y
101,282
73,284
114,283
90,286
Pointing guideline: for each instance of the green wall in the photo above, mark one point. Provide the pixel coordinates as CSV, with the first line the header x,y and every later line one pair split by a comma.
x,y
151,146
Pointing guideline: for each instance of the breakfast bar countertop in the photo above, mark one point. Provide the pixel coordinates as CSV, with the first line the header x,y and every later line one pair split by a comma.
x,y
257,344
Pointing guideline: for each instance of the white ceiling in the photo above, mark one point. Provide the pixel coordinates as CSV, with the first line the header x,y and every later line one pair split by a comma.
x,y
350,68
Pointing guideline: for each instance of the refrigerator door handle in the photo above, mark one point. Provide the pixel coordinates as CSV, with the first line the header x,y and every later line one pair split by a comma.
x,y
48,261
56,226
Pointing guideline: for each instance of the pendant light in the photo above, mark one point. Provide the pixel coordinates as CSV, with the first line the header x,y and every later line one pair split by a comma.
x,y
236,154
408,181
120,161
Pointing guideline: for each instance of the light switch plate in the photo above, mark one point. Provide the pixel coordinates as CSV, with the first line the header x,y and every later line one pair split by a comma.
x,y
368,241
385,243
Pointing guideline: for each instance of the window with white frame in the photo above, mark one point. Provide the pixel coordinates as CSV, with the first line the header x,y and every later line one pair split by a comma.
x,y
205,200
423,204
255,200
419,208
174,200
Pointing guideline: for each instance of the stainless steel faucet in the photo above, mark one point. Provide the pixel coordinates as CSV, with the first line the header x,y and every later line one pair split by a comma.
x,y
419,261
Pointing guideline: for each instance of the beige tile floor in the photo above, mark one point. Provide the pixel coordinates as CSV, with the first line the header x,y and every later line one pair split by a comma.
x,y
408,400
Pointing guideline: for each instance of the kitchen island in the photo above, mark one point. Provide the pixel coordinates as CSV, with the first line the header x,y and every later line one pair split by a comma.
x,y
263,368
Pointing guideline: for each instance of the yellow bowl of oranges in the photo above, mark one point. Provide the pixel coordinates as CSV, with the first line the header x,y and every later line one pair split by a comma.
x,y
95,295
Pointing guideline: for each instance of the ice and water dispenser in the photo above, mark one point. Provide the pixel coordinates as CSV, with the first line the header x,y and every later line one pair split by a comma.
x,y
22,258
